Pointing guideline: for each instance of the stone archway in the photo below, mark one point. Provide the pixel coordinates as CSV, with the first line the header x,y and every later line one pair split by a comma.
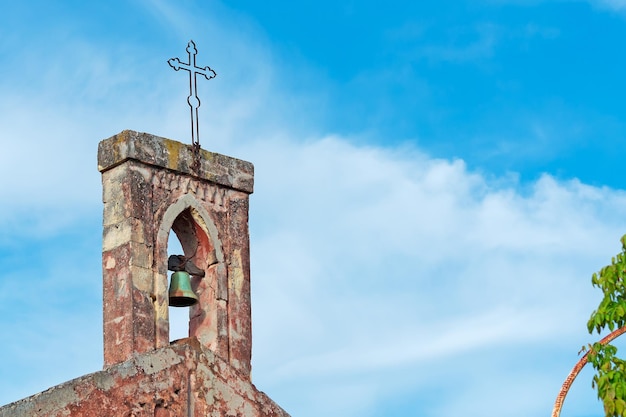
x,y
199,239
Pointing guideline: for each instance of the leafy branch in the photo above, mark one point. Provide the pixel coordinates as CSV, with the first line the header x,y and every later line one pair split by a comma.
x,y
610,377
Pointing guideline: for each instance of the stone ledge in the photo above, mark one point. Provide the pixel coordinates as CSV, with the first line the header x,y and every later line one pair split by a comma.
x,y
166,153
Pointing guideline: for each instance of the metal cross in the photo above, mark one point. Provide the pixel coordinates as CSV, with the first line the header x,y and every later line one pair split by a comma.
x,y
193,100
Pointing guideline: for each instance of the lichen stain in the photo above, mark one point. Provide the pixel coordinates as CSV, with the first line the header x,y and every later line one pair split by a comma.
x,y
237,272
173,153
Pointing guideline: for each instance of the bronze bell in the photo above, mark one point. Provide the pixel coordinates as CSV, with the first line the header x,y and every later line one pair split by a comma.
x,y
181,294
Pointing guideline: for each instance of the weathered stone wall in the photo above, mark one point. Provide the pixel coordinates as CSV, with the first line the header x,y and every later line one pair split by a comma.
x,y
183,379
152,185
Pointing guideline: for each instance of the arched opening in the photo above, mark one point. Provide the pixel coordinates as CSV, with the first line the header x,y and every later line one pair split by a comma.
x,y
178,316
196,234
190,239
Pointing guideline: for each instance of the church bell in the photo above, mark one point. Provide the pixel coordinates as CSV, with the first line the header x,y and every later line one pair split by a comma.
x,y
180,293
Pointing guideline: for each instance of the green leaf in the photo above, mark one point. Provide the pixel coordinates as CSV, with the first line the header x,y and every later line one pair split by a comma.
x,y
619,407
609,407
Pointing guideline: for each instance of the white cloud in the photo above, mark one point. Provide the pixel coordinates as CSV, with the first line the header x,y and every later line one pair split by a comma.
x,y
368,260
378,273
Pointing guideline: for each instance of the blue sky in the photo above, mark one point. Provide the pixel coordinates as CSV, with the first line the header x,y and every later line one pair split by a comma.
x,y
435,184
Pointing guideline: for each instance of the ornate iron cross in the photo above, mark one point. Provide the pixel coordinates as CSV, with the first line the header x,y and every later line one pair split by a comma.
x,y
193,100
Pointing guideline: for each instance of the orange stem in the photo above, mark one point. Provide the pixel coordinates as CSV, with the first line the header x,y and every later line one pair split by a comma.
x,y
556,411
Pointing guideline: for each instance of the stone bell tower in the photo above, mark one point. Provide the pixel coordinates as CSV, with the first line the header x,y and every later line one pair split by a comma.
x,y
152,185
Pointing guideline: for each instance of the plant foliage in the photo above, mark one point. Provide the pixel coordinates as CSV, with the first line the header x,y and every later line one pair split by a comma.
x,y
610,377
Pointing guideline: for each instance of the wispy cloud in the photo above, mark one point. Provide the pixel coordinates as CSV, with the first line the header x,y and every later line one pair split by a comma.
x,y
381,275
459,44
377,261
617,5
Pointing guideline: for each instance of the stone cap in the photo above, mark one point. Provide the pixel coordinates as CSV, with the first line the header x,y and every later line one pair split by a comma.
x,y
166,153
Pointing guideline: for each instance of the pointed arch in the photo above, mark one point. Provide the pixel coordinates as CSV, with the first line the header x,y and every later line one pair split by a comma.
x,y
200,241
